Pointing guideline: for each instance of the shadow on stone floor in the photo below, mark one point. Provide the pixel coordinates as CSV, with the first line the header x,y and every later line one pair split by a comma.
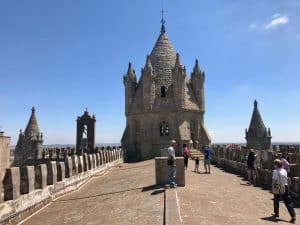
x,y
120,167
155,188
274,219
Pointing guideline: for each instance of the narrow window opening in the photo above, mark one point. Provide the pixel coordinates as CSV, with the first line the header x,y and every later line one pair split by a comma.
x,y
162,91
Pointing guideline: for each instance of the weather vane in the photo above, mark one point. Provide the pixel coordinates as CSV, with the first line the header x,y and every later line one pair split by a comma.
x,y
162,13
162,17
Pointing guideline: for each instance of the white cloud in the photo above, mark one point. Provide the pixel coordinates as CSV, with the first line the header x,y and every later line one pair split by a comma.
x,y
252,26
298,36
277,20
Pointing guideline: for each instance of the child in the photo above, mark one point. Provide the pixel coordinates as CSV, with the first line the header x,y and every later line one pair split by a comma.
x,y
197,164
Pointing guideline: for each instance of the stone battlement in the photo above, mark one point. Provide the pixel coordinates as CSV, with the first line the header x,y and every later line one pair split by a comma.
x,y
25,189
234,159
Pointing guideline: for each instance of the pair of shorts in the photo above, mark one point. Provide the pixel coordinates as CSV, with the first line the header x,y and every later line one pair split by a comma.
x,y
206,161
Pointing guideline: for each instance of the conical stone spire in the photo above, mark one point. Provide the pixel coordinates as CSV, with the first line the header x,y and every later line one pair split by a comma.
x,y
163,55
257,126
257,135
32,129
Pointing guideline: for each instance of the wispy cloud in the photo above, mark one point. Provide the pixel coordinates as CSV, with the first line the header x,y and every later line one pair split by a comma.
x,y
298,36
252,26
277,20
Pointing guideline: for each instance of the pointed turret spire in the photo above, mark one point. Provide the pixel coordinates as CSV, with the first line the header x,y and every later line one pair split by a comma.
x,y
255,104
258,136
32,129
256,125
148,65
130,75
196,69
177,62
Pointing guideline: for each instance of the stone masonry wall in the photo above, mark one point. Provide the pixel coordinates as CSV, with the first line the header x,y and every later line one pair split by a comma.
x,y
24,190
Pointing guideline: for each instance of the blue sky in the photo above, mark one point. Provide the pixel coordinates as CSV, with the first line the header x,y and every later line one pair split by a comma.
x,y
63,56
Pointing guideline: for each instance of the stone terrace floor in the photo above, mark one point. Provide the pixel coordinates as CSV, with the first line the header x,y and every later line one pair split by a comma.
x,y
126,195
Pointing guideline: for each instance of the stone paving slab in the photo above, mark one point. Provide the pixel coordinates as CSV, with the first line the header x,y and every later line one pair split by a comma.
x,y
125,195
224,198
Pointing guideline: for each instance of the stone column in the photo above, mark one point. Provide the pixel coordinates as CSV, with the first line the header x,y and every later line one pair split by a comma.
x,y
40,176
61,171
27,179
97,159
80,164
51,173
75,166
68,166
11,183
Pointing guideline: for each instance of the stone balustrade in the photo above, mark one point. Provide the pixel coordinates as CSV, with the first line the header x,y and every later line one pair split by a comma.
x,y
25,189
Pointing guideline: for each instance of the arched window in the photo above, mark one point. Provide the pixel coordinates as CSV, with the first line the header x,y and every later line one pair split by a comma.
x,y
163,128
163,91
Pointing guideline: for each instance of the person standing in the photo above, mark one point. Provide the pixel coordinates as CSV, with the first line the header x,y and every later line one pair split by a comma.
x,y
207,156
197,164
279,178
186,155
172,163
250,167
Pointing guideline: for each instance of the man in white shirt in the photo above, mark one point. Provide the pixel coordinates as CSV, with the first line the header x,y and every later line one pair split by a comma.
x,y
280,177
172,163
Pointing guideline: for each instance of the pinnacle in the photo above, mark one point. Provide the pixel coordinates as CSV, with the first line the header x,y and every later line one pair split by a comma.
x,y
32,128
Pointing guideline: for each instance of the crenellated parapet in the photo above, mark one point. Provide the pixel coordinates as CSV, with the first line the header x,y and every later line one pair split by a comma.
x,y
233,158
30,187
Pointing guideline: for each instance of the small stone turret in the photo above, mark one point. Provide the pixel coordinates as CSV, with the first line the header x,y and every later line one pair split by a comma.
x,y
130,83
179,84
197,79
148,85
30,143
257,135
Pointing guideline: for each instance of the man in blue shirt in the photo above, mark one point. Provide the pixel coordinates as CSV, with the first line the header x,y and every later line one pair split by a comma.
x,y
207,157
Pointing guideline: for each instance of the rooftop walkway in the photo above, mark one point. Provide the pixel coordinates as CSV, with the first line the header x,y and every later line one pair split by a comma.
x,y
126,195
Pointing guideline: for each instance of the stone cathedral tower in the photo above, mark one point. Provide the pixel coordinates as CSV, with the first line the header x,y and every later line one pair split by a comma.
x,y
163,104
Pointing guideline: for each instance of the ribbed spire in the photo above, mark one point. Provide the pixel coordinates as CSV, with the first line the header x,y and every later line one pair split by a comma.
x,y
32,128
257,127
163,55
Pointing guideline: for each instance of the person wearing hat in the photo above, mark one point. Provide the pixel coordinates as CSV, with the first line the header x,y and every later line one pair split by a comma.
x,y
172,163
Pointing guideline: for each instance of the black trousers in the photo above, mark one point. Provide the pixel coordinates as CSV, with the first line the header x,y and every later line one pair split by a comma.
x,y
186,160
286,197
